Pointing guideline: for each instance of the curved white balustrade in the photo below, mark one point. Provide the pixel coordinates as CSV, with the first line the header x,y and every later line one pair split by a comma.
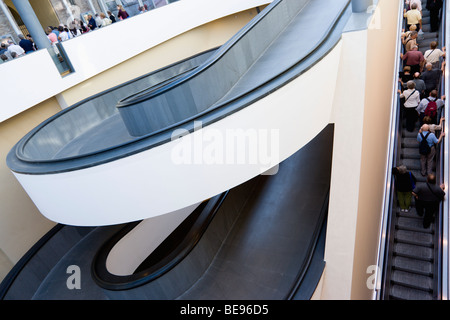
x,y
167,178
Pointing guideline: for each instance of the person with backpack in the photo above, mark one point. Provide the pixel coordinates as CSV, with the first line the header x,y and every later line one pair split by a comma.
x,y
427,148
428,196
430,107
405,182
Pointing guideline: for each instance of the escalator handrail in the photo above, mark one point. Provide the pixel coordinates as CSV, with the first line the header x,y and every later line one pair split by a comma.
x,y
445,167
390,163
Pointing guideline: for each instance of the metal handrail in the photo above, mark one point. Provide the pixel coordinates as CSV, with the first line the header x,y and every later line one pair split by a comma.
x,y
390,158
445,169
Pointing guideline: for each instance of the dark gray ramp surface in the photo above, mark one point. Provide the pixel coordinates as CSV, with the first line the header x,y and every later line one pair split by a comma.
x,y
257,245
270,241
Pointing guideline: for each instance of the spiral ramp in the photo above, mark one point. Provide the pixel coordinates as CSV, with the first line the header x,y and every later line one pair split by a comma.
x,y
259,227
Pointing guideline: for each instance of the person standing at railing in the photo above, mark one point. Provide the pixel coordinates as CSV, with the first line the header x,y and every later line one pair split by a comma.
x,y
428,196
27,45
15,48
111,16
92,24
52,37
123,14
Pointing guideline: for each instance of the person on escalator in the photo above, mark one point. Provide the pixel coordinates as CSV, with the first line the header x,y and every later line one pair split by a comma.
x,y
418,3
433,127
414,59
413,16
434,6
430,106
432,77
405,182
427,198
420,84
411,100
405,76
434,54
411,41
427,158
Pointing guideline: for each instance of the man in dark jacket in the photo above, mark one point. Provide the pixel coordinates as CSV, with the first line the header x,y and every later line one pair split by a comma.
x,y
91,23
428,196
434,6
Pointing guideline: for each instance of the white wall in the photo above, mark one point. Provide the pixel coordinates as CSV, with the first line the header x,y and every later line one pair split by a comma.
x,y
152,183
102,49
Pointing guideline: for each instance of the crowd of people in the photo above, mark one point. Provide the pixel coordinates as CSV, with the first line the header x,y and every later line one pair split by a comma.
x,y
9,50
420,102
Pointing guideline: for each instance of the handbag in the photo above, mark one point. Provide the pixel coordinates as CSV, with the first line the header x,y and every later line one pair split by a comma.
x,y
413,185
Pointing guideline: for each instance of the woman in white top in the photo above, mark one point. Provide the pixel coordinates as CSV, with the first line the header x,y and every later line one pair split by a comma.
x,y
412,100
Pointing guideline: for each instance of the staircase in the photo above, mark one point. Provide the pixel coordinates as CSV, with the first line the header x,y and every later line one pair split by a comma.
x,y
412,260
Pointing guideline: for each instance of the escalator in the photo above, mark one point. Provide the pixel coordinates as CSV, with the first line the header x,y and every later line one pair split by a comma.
x,y
413,256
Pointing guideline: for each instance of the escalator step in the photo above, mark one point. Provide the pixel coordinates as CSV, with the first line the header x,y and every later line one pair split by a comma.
x,y
411,164
419,176
412,265
410,153
413,252
412,222
405,293
407,134
411,280
414,237
410,143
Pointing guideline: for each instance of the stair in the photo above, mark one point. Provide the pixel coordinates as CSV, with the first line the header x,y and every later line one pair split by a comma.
x,y
412,257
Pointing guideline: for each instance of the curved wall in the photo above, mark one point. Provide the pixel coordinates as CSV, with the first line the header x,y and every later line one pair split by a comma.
x,y
168,177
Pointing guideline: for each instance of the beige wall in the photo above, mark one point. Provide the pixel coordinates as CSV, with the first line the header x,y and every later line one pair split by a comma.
x,y
379,90
361,117
21,224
